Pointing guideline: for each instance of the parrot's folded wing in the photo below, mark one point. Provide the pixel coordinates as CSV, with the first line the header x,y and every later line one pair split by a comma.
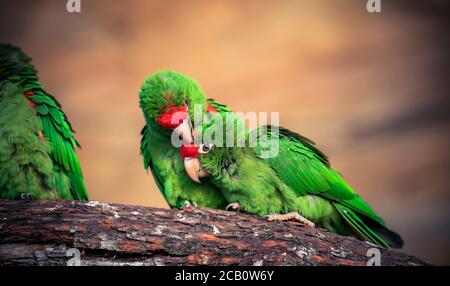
x,y
219,107
306,170
57,130
148,163
368,229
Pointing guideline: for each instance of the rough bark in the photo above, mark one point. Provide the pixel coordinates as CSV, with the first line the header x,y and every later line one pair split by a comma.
x,y
42,232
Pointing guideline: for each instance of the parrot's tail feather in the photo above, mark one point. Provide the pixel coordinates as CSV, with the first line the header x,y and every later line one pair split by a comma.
x,y
78,187
392,238
369,229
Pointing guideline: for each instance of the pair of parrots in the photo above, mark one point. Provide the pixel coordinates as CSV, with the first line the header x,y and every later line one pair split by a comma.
x,y
38,161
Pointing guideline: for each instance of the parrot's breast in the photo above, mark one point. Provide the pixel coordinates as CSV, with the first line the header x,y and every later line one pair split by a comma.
x,y
25,163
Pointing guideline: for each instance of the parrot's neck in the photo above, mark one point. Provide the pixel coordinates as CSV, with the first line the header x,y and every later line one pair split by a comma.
x,y
225,162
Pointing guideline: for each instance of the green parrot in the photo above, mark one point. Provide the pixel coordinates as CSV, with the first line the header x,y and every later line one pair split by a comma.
x,y
168,101
297,183
37,146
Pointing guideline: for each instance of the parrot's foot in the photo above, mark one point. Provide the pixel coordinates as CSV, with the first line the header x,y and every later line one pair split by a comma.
x,y
25,197
290,216
233,207
189,206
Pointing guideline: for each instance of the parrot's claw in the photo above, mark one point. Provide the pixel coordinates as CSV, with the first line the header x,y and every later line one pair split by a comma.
x,y
190,206
25,197
290,216
233,207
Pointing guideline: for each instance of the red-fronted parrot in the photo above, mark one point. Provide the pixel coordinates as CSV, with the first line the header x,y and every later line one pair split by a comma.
x,y
168,101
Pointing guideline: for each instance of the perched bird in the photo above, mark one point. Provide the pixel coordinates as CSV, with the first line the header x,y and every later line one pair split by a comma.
x,y
37,146
168,101
298,183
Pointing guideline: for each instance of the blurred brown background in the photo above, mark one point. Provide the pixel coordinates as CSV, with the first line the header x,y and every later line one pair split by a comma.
x,y
371,89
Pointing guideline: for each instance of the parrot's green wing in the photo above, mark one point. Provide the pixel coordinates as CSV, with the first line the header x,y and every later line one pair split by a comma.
x,y
306,170
57,130
148,164
219,107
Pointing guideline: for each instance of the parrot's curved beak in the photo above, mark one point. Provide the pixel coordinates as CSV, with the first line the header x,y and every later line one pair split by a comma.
x,y
192,165
184,131
194,169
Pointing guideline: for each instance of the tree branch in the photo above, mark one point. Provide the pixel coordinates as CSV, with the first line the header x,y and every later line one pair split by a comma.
x,y
42,232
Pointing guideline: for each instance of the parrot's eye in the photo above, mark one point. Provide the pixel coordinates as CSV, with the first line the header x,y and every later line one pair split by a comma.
x,y
205,148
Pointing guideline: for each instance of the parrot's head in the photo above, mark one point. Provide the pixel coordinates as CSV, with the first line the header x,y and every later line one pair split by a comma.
x,y
167,99
200,160
212,154
208,160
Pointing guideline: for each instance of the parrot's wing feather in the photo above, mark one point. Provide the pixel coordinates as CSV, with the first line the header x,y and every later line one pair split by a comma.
x,y
148,163
306,170
359,226
57,130
369,230
158,179
144,147
219,107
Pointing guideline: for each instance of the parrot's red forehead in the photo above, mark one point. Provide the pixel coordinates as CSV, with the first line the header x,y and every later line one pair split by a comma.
x,y
172,116
172,108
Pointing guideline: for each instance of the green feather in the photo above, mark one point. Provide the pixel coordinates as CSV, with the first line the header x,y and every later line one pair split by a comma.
x,y
59,133
25,162
16,68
